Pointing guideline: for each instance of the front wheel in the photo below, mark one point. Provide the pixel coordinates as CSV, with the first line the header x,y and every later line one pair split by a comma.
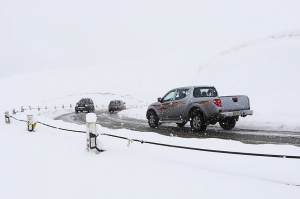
x,y
197,122
227,123
152,119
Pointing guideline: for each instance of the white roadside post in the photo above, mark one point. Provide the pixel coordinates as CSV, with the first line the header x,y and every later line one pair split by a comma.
x,y
7,120
30,123
91,133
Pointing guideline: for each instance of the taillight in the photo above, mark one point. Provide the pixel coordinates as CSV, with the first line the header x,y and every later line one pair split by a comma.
x,y
248,102
217,102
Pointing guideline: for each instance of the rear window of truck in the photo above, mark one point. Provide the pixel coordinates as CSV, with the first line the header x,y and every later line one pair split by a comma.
x,y
205,92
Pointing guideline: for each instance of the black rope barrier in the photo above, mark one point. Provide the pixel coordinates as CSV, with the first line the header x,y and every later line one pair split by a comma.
x,y
177,146
207,150
51,126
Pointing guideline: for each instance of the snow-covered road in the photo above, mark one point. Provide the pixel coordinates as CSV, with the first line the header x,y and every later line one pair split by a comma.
x,y
248,136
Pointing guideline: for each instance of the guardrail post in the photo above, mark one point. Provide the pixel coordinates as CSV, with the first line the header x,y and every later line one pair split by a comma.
x,y
45,107
55,107
91,133
70,105
14,111
63,106
29,107
39,108
30,124
7,119
22,109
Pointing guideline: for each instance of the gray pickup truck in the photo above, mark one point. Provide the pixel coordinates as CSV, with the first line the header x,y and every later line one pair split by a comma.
x,y
200,105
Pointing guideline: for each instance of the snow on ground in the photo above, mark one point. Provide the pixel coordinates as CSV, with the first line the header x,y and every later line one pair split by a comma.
x,y
50,163
129,51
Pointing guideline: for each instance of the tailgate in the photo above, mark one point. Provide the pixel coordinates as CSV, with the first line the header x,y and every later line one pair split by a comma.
x,y
235,103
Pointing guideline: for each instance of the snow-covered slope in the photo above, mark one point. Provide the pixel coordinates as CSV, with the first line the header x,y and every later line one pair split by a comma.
x,y
267,70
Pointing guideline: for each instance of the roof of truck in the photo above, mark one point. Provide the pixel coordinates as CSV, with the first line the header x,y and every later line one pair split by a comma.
x,y
196,86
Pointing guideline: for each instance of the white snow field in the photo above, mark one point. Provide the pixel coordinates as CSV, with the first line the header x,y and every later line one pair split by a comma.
x,y
54,53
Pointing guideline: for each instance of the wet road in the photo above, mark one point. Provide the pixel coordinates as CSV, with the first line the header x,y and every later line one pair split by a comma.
x,y
248,136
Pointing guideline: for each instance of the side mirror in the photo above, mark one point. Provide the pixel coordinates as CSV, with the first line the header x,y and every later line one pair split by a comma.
x,y
159,99
123,102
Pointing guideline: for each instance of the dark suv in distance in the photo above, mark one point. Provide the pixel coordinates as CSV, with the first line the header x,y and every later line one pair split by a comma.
x,y
116,105
85,104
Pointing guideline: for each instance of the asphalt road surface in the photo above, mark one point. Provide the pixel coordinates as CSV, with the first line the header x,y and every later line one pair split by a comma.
x,y
248,136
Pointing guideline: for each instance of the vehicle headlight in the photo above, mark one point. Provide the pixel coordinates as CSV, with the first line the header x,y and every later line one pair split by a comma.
x,y
86,105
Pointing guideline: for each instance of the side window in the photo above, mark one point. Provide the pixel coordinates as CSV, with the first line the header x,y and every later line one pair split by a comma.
x,y
181,93
168,97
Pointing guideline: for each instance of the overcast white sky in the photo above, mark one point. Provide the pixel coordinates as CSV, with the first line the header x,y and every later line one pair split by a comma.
x,y
37,35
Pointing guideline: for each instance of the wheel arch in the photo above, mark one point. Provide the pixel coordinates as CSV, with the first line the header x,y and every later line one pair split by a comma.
x,y
193,110
151,110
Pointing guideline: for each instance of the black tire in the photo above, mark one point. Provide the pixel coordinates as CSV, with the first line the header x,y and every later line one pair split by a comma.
x,y
76,111
152,119
197,122
180,125
228,123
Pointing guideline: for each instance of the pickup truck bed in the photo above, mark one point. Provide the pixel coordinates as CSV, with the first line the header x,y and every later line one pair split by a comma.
x,y
237,105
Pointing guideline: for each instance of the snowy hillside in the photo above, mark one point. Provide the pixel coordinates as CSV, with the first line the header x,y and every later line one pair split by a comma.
x,y
267,71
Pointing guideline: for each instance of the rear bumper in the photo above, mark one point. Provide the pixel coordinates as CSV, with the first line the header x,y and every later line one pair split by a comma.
x,y
115,108
236,113
82,108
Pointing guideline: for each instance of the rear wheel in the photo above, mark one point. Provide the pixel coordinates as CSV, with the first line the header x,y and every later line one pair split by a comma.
x,y
197,122
227,123
152,119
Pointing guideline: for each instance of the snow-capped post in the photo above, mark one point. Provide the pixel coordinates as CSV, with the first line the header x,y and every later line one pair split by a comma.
x,y
45,107
14,111
91,133
22,109
63,106
7,120
70,105
29,107
55,107
39,108
30,123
